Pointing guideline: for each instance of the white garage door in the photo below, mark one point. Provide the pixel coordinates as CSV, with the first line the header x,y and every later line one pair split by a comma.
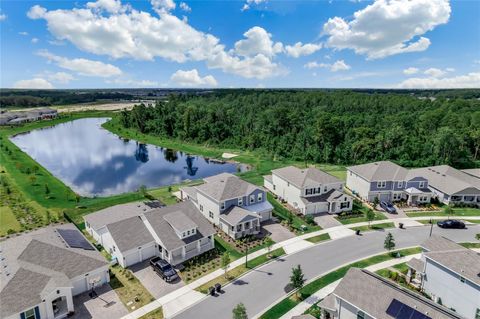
x,y
132,258
264,216
148,252
79,286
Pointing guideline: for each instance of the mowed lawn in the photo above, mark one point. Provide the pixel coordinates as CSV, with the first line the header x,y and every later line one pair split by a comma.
x,y
7,221
458,211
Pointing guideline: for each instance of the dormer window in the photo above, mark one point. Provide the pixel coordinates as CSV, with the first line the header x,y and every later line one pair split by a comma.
x,y
260,197
400,184
222,206
252,199
240,201
381,184
325,189
422,185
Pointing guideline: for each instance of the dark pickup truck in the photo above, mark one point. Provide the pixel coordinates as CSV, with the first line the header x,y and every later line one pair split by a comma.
x,y
163,269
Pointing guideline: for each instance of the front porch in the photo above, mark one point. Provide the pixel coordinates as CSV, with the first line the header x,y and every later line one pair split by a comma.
x,y
238,222
415,196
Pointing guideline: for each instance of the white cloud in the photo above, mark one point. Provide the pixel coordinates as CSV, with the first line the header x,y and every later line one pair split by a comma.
x,y
258,41
133,83
34,40
113,6
35,83
338,65
60,77
24,33
410,70
82,66
470,80
3,17
192,79
185,7
300,49
434,72
130,33
163,6
249,3
388,27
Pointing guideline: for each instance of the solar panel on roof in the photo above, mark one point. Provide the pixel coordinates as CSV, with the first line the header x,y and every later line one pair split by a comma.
x,y
74,239
399,310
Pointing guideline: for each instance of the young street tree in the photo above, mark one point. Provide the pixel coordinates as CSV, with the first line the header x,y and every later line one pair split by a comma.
x,y
240,312
389,243
225,262
297,279
268,243
369,215
448,211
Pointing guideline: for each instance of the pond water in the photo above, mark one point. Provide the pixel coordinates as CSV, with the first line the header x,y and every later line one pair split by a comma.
x,y
93,161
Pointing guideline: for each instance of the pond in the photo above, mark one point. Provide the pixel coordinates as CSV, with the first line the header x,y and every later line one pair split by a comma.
x,y
94,162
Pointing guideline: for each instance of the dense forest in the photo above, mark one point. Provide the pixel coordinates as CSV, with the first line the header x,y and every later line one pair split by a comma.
x,y
342,126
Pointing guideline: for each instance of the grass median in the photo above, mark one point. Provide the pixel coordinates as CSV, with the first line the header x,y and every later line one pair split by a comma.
x,y
319,238
288,303
373,227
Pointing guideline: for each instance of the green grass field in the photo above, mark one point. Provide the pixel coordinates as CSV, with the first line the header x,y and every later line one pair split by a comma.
x,y
374,227
457,212
319,238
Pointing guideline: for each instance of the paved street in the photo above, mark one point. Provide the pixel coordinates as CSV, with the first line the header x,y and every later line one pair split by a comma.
x,y
264,286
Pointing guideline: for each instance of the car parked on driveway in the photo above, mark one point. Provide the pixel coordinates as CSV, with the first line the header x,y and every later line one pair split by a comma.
x,y
451,223
163,269
388,207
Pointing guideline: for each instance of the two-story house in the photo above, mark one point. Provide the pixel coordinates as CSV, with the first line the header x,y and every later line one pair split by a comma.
x,y
234,205
132,233
388,182
309,190
449,273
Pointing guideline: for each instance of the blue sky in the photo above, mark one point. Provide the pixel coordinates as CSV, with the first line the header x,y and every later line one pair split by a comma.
x,y
251,43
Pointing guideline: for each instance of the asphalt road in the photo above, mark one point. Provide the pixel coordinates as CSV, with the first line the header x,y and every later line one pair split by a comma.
x,y
265,285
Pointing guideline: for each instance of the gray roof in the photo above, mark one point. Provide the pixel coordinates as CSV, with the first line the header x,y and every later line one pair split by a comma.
x,y
328,302
440,243
226,186
416,264
475,172
464,262
268,178
373,295
380,171
235,215
130,233
304,177
329,196
36,263
116,213
190,191
167,234
449,180
179,221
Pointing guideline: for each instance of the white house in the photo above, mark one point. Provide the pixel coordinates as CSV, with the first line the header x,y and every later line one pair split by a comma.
x,y
237,207
362,294
449,273
135,232
42,271
309,190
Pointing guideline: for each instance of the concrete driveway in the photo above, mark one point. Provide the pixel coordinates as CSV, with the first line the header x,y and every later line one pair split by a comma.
x,y
106,306
277,232
152,281
326,221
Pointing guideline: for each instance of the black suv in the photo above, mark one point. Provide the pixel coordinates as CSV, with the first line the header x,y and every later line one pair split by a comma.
x,y
451,223
163,269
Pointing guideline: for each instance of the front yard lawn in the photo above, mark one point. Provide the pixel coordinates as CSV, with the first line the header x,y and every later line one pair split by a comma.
x,y
129,289
318,238
457,211
360,219
155,314
374,227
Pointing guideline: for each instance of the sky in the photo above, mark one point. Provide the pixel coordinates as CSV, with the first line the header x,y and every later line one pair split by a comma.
x,y
236,44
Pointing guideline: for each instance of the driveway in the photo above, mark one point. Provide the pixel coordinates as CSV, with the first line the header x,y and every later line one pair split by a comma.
x,y
263,286
326,221
153,282
106,306
277,232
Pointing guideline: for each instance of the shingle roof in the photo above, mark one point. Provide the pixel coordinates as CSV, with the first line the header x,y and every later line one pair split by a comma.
x,y
165,232
130,233
190,191
235,215
179,221
225,186
374,294
116,213
448,179
35,263
440,243
475,172
329,196
465,263
416,264
380,171
303,177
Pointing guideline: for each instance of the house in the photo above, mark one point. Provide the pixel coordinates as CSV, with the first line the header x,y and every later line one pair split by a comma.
x,y
450,274
450,185
135,232
234,205
42,271
362,294
309,190
388,182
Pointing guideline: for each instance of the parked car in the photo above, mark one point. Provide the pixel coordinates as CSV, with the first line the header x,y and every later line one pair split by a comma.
x,y
163,269
451,223
388,207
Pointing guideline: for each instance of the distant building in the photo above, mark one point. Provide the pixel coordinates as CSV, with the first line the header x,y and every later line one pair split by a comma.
x,y
362,294
309,190
20,117
42,271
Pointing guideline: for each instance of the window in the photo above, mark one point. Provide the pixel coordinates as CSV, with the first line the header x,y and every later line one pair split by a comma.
x,y
183,235
381,184
166,253
210,214
360,315
477,313
260,197
400,184
222,206
188,233
288,184
274,187
345,205
422,185
30,314
201,208
194,231
240,201
308,191
325,189
462,279
252,199
247,225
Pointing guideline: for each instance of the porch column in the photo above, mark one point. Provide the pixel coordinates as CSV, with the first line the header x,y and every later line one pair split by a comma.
x,y
198,246
183,252
69,302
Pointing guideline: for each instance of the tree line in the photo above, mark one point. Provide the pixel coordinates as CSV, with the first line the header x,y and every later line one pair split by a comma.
x,y
340,126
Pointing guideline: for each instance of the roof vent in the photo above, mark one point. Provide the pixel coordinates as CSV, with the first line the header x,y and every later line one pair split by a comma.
x,y
444,175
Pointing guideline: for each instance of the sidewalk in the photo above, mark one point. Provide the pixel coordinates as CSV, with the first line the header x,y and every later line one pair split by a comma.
x,y
187,296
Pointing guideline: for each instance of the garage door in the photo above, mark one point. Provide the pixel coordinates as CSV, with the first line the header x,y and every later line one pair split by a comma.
x,y
132,258
385,197
79,286
264,216
148,252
